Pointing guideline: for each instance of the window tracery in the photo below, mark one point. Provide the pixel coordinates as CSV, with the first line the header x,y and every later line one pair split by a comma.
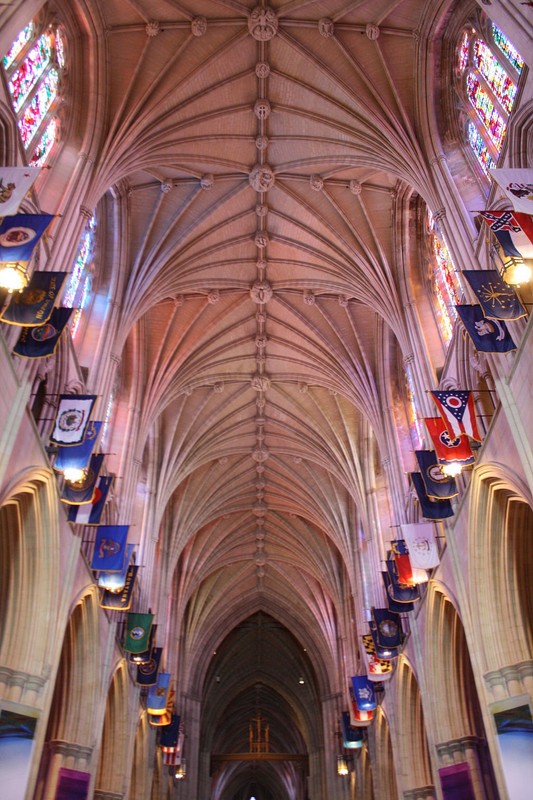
x,y
446,286
34,66
489,67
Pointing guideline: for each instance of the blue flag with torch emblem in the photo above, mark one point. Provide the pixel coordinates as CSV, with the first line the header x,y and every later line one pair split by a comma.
x,y
497,299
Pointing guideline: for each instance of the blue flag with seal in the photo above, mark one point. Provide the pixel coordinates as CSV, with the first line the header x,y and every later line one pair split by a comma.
x,y
156,703
497,299
114,581
400,608
91,513
388,626
79,455
147,671
431,509
398,592
33,306
110,548
42,341
488,335
170,733
352,738
19,234
82,491
120,600
438,486
363,693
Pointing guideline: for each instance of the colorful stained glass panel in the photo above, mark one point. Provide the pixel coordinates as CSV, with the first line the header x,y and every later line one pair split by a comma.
x,y
495,75
46,142
26,76
481,151
18,45
34,114
484,107
464,52
510,52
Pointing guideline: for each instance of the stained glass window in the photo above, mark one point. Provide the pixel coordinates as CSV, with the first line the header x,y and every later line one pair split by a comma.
x,y
412,410
446,288
490,69
33,67
79,287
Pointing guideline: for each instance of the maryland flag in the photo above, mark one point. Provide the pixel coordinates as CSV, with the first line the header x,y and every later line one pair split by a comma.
x,y
377,669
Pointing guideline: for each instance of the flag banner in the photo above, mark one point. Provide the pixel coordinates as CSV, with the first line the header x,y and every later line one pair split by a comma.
x,y
497,299
384,653
399,548
456,408
388,626
402,606
147,672
42,341
352,738
15,183
138,632
513,230
172,759
156,703
400,594
121,600
110,549
78,456
164,719
358,717
517,184
363,693
72,418
447,447
404,570
438,486
169,735
145,655
376,669
431,509
33,306
82,491
488,335
91,513
420,539
20,233
115,581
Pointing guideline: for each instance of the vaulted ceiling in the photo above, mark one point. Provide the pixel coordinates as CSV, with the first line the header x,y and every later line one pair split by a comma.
x,y
260,157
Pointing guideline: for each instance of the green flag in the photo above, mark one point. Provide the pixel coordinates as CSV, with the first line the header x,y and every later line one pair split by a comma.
x,y
138,632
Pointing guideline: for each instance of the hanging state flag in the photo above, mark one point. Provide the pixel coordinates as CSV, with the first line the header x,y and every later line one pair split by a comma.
x,y
352,738
168,739
488,335
400,606
19,234
376,669
403,569
513,230
147,671
91,513
171,759
517,185
420,539
42,341
15,183
400,594
431,509
33,306
358,716
164,719
143,656
388,627
78,456
438,486
363,693
110,548
498,300
448,447
156,703
456,408
72,419
138,632
121,600
82,491
115,581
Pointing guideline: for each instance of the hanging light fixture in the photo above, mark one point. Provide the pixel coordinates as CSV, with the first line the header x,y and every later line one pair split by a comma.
x,y
515,271
74,474
451,469
181,771
13,276
342,766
